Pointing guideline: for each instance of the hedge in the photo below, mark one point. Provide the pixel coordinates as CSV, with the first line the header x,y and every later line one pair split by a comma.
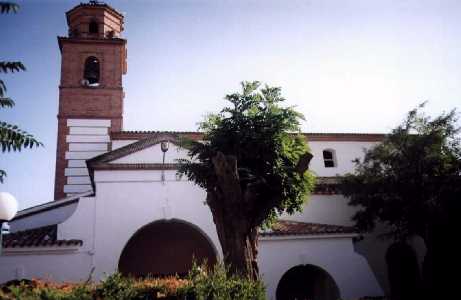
x,y
214,284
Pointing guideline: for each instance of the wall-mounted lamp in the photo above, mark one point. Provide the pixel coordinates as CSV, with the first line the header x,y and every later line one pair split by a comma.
x,y
8,209
164,145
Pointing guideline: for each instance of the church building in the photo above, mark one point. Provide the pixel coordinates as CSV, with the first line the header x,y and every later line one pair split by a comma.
x,y
120,205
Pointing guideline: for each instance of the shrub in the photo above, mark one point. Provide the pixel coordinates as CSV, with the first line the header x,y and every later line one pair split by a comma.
x,y
217,284
201,284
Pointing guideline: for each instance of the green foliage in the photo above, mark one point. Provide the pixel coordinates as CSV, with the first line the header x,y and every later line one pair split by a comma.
x,y
409,180
12,138
117,287
200,285
265,139
218,284
6,7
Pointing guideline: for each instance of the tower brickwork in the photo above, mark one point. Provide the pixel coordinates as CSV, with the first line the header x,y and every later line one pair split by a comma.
x,y
93,60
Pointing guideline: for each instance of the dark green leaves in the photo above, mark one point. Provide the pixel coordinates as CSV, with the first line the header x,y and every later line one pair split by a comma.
x,y
7,7
404,181
11,66
265,139
12,138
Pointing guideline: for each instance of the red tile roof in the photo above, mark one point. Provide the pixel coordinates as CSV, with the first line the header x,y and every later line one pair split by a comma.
x,y
283,227
38,237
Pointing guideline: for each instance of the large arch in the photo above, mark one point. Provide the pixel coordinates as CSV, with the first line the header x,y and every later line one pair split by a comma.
x,y
164,248
304,282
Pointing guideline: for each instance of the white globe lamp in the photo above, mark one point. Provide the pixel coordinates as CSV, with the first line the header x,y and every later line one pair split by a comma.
x,y
8,209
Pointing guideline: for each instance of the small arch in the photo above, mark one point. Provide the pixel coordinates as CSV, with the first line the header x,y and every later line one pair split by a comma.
x,y
91,72
164,248
403,271
329,158
93,27
307,282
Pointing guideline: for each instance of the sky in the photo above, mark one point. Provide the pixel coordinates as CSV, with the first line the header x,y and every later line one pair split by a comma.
x,y
348,66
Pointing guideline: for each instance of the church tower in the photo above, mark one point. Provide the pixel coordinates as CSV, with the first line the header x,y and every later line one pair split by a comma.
x,y
90,92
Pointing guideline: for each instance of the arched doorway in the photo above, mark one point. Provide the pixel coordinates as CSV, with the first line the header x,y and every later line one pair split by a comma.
x,y
165,248
307,282
403,271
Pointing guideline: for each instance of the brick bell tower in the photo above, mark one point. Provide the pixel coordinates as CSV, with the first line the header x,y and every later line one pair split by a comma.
x,y
90,92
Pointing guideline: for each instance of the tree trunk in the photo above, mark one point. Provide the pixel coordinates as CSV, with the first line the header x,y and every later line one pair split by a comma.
x,y
236,234
237,215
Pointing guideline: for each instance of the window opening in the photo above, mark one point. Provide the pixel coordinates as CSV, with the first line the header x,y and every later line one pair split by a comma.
x,y
329,159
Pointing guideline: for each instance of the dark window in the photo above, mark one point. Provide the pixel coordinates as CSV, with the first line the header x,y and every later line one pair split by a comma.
x,y
91,72
93,27
329,158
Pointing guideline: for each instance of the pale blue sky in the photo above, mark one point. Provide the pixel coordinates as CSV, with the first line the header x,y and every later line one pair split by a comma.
x,y
349,66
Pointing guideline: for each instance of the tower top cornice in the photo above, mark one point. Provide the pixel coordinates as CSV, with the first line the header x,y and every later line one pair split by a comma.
x,y
94,20
94,5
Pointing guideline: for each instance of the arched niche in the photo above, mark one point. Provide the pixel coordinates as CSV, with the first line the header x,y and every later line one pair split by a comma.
x,y
165,248
307,282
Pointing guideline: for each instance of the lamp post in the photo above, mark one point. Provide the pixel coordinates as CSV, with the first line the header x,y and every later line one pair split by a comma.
x,y
8,209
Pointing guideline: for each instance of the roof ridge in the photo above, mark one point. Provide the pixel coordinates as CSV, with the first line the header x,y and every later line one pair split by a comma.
x,y
131,148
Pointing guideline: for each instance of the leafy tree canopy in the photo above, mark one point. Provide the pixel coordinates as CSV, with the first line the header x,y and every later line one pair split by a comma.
x,y
408,181
12,138
252,162
265,140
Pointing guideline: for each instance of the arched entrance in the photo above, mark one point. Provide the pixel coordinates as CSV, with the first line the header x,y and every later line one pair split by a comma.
x,y
165,248
307,282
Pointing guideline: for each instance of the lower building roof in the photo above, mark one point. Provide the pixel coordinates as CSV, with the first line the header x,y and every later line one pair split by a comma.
x,y
45,236
284,227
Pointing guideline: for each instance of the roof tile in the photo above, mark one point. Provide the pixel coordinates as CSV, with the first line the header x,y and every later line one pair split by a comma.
x,y
284,227
45,236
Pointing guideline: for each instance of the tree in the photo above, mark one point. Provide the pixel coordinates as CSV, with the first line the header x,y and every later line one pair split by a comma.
x,y
412,183
252,163
12,138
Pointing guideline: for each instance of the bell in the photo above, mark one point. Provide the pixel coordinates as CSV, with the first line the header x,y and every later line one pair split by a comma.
x,y
92,77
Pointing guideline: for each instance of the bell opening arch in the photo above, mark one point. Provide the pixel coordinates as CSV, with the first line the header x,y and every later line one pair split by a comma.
x,y
165,248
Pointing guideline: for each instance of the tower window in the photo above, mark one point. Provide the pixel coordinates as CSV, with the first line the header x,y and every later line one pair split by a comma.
x,y
91,73
329,158
93,27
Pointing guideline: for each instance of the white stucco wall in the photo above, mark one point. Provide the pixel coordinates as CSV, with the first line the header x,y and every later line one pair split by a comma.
x,y
57,264
325,209
346,152
128,200
336,256
154,154
121,143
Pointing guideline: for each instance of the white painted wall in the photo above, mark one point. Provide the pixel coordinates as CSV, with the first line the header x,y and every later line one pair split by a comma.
x,y
56,264
128,200
346,152
121,143
154,154
336,256
325,209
